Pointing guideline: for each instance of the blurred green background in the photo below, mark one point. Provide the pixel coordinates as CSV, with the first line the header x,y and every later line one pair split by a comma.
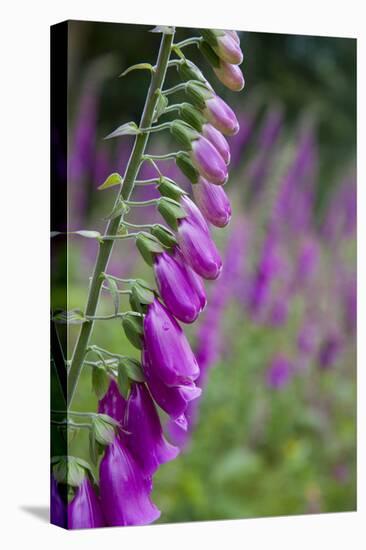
x,y
256,448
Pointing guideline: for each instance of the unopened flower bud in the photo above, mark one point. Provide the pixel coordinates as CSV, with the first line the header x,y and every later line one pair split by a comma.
x,y
213,202
218,141
225,44
221,116
208,161
230,75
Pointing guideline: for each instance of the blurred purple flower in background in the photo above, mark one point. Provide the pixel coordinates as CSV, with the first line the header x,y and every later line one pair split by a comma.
x,y
279,372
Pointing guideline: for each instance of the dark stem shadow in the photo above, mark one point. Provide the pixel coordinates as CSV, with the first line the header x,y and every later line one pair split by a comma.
x,y
40,512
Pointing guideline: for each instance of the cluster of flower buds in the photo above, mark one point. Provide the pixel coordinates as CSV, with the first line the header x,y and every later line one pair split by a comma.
x,y
129,430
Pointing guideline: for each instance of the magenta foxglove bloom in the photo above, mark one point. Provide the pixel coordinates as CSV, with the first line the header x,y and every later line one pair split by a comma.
x,y
124,492
279,373
113,403
168,348
84,511
230,75
218,141
194,280
172,399
208,161
199,249
175,287
145,437
58,506
221,116
194,214
213,202
228,48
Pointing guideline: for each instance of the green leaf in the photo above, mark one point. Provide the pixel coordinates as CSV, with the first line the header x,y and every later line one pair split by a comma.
x,y
100,382
71,317
123,381
119,208
104,429
142,294
161,105
111,181
171,211
68,470
133,369
133,327
164,235
93,451
113,287
147,246
137,67
163,29
170,189
127,129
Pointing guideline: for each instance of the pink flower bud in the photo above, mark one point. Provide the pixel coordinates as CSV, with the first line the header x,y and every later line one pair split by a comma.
x,y
234,35
221,116
228,49
213,202
208,161
218,141
230,75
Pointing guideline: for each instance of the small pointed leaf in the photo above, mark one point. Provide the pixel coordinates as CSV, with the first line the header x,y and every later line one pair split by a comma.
x,y
119,209
111,181
137,67
128,129
88,234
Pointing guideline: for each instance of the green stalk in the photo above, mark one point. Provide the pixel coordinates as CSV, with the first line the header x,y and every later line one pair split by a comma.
x,y
106,246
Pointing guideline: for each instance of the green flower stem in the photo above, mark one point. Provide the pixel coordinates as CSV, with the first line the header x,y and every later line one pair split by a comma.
x,y
106,352
138,226
177,88
105,247
168,156
119,291
147,182
71,424
142,203
172,108
118,237
157,128
104,317
104,275
188,42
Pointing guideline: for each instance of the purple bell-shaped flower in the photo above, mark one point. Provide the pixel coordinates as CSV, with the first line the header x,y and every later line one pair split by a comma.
x,y
124,492
175,287
172,399
144,434
84,511
168,346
